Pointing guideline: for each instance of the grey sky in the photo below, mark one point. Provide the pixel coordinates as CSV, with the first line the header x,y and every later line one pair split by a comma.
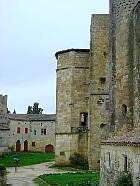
x,y
31,31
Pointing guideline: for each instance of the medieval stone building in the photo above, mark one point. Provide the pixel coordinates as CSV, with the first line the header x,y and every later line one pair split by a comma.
x,y
26,132
31,132
82,114
98,93
121,152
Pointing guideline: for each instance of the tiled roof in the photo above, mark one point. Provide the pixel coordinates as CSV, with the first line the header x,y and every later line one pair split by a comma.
x,y
69,50
32,117
131,138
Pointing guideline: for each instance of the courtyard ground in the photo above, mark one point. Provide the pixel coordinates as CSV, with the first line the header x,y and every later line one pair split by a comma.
x,y
25,175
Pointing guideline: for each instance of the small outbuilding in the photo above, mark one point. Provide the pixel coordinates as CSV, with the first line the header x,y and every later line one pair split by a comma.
x,y
120,154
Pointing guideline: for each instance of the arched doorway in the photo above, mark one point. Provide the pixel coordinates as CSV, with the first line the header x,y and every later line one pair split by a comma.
x,y
18,146
25,146
49,148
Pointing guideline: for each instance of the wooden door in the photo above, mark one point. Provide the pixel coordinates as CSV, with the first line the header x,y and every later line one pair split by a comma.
x,y
49,148
18,146
25,146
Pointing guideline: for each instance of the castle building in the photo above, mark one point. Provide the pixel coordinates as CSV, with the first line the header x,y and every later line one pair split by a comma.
x,y
72,104
98,95
121,152
82,108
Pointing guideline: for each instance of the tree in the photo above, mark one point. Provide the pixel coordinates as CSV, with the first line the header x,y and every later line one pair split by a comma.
x,y
8,111
14,112
29,111
35,109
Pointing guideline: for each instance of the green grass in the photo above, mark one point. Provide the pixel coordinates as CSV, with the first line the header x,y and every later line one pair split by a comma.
x,y
27,158
74,178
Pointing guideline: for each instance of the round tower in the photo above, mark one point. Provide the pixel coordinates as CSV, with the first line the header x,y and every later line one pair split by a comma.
x,y
72,103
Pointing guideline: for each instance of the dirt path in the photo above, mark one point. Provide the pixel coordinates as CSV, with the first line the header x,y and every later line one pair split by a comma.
x,y
25,175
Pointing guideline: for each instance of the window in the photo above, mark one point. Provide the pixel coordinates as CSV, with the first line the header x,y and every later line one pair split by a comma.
x,y
34,132
62,153
26,130
43,131
33,143
18,130
83,118
124,109
102,80
125,163
107,159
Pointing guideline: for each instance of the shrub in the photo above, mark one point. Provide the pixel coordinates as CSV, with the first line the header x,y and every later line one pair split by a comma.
x,y
2,170
11,148
79,161
124,179
85,183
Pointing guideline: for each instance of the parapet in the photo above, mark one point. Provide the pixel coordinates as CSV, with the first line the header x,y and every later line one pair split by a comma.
x,y
71,50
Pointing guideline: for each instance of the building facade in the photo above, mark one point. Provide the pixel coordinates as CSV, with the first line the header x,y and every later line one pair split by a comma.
x,y
32,132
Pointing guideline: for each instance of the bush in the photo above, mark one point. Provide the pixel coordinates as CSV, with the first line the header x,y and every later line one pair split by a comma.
x,y
79,161
2,167
11,148
2,170
85,183
124,179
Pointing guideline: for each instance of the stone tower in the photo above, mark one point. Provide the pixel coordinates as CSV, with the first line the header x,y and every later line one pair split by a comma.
x,y
72,104
99,88
3,104
124,63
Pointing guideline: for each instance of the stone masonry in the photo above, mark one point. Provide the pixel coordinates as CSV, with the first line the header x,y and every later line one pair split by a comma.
x,y
98,105
121,153
72,103
3,104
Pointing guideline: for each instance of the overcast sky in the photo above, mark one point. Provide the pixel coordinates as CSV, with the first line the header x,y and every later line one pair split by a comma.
x,y
31,31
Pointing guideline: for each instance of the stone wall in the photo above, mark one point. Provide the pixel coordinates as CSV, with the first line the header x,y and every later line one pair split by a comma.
x,y
136,68
124,90
72,101
113,162
98,90
122,63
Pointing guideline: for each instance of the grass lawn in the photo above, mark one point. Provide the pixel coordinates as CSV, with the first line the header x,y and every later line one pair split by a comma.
x,y
73,179
27,158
